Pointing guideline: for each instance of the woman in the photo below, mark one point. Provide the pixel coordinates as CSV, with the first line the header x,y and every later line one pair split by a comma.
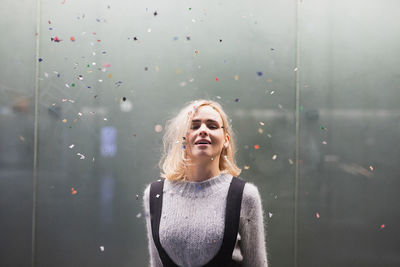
x,y
185,218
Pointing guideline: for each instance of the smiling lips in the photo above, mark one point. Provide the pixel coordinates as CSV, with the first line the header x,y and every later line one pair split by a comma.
x,y
203,142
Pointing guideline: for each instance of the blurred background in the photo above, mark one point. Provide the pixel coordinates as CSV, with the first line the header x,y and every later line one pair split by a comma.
x,y
312,88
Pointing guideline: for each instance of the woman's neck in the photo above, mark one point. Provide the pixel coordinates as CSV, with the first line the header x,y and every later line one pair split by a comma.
x,y
201,173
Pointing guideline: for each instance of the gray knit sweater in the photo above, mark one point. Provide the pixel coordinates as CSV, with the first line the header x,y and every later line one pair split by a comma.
x,y
193,220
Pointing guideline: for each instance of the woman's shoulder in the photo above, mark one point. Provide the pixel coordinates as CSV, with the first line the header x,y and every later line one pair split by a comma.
x,y
251,195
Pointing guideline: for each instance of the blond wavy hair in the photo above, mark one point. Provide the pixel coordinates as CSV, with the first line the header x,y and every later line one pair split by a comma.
x,y
173,161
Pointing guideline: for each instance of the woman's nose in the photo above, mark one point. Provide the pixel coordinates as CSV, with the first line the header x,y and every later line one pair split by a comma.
x,y
203,129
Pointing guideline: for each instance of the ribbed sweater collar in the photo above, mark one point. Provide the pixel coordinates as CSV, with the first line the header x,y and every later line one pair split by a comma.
x,y
199,189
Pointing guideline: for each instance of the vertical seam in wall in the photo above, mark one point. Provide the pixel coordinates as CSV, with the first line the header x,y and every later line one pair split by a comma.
x,y
296,190
35,136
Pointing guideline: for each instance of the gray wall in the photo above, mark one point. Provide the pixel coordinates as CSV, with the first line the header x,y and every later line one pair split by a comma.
x,y
321,75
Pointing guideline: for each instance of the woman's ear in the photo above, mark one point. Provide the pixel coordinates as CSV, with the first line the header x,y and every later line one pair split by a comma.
x,y
227,139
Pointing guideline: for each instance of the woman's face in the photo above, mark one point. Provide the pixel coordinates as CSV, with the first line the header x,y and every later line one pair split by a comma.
x,y
206,138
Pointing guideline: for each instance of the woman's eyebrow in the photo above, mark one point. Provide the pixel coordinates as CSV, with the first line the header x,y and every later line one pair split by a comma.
x,y
209,120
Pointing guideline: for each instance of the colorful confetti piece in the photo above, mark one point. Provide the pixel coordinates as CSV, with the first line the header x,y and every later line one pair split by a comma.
x,y
256,146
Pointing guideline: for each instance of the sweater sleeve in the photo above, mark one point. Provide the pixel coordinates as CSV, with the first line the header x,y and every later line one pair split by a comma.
x,y
251,228
155,260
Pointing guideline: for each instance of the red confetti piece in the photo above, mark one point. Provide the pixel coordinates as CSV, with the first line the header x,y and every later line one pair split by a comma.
x,y
317,215
371,168
256,147
217,79
72,38
134,135
99,41
73,191
382,226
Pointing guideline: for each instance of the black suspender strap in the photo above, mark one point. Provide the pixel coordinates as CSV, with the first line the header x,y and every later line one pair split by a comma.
x,y
232,219
156,197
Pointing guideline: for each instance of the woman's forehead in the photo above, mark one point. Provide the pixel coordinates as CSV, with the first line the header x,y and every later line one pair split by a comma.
x,y
207,112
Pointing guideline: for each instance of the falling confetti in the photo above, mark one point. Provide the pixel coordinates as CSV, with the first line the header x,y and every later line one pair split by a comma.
x,y
274,157
196,52
383,226
217,79
259,73
256,147
139,215
40,59
157,196
21,138
137,197
72,38
82,156
73,191
261,123
371,168
236,77
237,100
290,161
295,69
317,215
323,128
64,120
324,142
158,128
71,146
270,214
260,130
246,167
102,248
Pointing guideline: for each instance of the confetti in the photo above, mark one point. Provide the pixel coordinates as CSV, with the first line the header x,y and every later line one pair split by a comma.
x,y
110,75
64,120
317,215
137,197
102,248
82,156
71,146
40,59
237,100
324,142
80,114
290,161
295,69
383,226
158,128
261,123
105,119
260,130
155,13
187,38
246,167
323,128
270,214
196,52
139,215
217,79
124,99
21,138
259,73
256,147
55,39
274,157
157,196
236,77
73,191
220,40
371,168
72,38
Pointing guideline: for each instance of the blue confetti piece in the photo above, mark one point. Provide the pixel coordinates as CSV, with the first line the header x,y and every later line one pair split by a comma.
x,y
259,73
40,59
237,100
175,38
